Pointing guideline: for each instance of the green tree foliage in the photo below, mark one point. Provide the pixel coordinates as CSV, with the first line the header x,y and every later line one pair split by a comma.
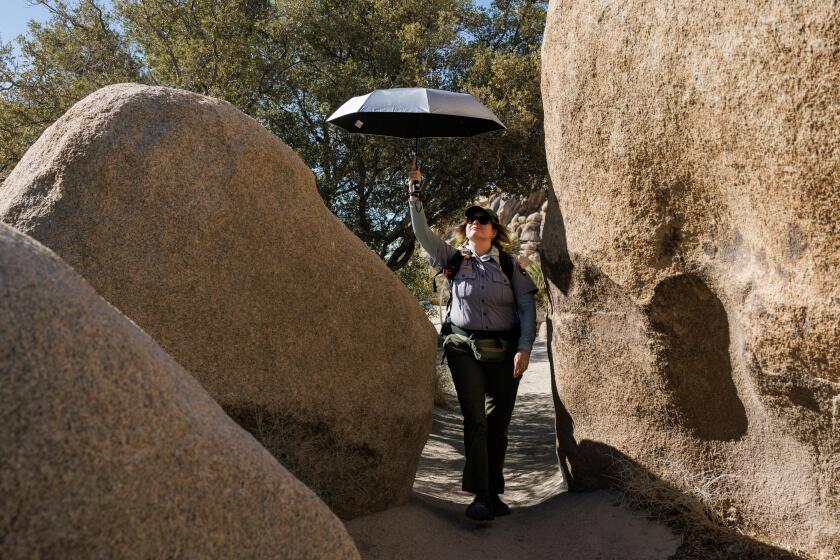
x,y
541,297
290,64
354,46
417,276
78,51
235,50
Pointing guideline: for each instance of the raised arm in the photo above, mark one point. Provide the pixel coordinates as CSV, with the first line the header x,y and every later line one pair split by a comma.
x,y
438,249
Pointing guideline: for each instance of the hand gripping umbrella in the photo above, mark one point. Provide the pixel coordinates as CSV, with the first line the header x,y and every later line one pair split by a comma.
x,y
415,113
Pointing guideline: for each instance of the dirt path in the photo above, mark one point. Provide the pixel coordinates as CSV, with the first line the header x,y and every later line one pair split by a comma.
x,y
547,521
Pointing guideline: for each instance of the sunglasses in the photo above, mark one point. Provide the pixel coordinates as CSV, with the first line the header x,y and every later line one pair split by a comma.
x,y
483,220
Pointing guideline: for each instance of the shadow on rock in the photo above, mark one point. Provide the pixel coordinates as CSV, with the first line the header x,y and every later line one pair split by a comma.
x,y
705,535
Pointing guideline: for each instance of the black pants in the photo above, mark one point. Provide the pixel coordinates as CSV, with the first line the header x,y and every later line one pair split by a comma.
x,y
487,394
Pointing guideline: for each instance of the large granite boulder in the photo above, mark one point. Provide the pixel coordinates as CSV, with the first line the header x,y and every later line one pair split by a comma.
x,y
208,232
110,449
693,253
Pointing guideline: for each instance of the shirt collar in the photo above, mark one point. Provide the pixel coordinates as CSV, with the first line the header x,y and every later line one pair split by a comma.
x,y
493,253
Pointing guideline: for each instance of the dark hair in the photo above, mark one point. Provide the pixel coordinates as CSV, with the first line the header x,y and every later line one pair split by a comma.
x,y
500,241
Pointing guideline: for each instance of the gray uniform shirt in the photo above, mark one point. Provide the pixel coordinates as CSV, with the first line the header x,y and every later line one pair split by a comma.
x,y
482,296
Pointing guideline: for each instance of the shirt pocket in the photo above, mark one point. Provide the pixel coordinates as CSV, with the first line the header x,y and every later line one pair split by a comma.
x,y
465,282
502,291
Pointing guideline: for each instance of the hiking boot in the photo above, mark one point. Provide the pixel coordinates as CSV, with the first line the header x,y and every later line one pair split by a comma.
x,y
480,509
499,507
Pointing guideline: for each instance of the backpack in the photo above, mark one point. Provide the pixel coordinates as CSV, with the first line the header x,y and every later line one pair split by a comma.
x,y
453,265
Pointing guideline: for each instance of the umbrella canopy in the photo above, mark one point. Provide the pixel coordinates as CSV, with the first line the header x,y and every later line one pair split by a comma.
x,y
416,113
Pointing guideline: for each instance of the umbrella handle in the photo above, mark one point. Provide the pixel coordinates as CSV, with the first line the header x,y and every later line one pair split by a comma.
x,y
414,184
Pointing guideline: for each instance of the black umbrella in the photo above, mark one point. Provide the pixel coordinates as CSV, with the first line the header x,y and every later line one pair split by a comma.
x,y
415,113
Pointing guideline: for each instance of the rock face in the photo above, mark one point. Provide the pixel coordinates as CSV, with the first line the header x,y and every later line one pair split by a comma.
x,y
208,232
693,253
109,448
523,218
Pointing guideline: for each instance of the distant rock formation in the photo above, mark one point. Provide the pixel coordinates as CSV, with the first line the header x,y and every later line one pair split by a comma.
x,y
208,232
523,216
692,252
110,449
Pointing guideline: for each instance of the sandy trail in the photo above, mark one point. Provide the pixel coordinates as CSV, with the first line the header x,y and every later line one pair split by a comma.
x,y
547,521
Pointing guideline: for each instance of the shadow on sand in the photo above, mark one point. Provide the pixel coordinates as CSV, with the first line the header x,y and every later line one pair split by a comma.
x,y
547,522
531,469
603,519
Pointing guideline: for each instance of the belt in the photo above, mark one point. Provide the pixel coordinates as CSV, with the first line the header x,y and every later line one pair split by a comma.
x,y
509,334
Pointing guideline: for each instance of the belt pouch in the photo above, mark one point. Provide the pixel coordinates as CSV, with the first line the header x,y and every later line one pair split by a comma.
x,y
488,350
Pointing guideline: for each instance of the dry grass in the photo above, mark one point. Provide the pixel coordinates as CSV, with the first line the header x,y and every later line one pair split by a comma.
x,y
697,507
341,474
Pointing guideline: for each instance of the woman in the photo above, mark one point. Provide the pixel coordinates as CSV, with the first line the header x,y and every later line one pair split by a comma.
x,y
490,309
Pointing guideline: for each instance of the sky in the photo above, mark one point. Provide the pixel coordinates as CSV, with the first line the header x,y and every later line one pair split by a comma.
x,y
13,17
14,14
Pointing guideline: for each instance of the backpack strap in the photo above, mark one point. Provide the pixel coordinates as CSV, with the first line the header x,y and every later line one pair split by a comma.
x,y
449,271
453,265
508,262
506,259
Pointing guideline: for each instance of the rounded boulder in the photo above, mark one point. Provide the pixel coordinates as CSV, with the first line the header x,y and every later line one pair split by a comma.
x,y
109,448
208,232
